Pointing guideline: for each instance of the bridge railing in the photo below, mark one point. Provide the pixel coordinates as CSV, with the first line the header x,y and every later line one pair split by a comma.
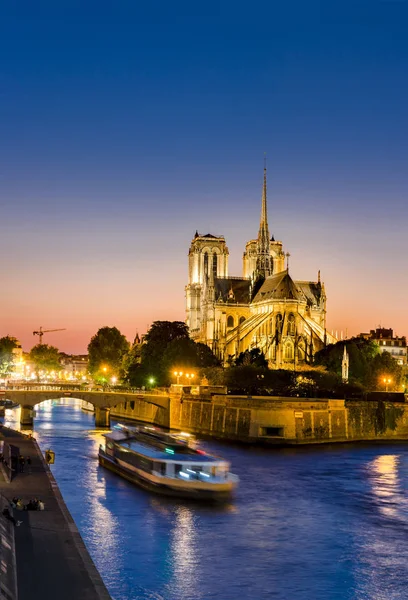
x,y
57,388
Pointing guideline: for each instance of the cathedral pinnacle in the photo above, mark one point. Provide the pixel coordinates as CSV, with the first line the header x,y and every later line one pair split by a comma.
x,y
263,250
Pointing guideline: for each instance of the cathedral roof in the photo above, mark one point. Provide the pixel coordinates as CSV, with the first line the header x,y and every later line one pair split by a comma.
x,y
312,291
279,287
282,287
235,290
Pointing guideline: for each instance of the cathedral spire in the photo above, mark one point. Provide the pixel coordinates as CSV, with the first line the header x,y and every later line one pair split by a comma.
x,y
263,225
263,251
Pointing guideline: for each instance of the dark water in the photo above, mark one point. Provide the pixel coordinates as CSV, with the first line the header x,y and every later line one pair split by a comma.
x,y
306,524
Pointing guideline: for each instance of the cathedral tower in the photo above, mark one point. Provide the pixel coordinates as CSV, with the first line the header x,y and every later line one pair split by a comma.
x,y
207,259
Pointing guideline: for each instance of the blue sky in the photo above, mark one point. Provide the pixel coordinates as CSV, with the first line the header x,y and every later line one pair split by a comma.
x,y
127,126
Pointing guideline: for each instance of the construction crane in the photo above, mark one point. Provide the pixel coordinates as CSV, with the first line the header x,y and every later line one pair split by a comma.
x,y
41,332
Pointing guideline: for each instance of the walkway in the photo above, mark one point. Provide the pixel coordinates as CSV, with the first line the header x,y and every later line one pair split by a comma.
x,y
52,561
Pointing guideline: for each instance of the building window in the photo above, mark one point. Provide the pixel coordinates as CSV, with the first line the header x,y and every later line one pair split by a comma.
x,y
241,320
206,264
291,325
301,351
278,323
288,351
215,264
230,321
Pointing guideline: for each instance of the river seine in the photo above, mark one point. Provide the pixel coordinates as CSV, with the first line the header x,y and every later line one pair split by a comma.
x,y
323,523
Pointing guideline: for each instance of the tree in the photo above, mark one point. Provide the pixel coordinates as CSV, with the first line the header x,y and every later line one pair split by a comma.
x,y
247,379
7,345
384,366
45,357
361,355
131,359
252,357
181,352
206,357
106,352
160,335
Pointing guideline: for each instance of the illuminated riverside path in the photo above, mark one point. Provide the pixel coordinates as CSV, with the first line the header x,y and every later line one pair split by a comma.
x,y
321,523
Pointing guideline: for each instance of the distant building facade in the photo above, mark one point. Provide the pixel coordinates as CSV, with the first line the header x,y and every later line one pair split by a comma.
x,y
265,308
75,364
387,342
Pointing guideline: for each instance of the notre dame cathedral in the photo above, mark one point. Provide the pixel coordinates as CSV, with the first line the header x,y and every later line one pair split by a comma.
x,y
263,309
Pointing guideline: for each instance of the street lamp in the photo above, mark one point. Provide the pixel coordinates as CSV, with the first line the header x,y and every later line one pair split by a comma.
x,y
178,374
190,376
114,380
387,381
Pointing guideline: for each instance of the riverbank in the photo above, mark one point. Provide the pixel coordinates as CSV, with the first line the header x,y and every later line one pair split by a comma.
x,y
277,420
52,560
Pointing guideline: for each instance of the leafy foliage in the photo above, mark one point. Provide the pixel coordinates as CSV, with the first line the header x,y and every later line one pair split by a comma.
x,y
368,365
159,336
252,357
7,345
45,357
107,350
168,346
384,365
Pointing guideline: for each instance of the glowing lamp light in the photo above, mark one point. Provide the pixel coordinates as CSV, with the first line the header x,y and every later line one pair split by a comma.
x,y
114,380
386,380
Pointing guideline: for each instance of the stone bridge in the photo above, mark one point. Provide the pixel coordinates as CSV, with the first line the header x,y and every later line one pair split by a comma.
x,y
102,401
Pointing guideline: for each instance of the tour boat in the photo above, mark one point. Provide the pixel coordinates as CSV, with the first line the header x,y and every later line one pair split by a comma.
x,y
167,463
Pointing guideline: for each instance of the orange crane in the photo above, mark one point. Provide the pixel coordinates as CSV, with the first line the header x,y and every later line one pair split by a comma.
x,y
41,332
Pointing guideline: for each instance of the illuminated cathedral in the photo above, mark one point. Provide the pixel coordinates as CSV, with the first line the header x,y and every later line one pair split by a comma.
x,y
265,308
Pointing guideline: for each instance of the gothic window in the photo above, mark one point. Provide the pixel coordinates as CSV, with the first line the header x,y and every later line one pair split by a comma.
x,y
288,351
230,321
278,323
206,263
241,320
214,265
301,354
291,325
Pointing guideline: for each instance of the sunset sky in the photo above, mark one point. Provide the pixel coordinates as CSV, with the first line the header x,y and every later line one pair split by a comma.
x,y
124,129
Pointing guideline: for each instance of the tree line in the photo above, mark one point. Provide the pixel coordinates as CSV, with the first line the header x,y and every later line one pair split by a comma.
x,y
167,347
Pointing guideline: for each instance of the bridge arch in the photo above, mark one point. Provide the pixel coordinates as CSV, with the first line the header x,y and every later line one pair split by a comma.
x,y
102,401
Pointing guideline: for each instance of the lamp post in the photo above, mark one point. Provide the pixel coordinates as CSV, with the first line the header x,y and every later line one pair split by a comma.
x,y
387,381
178,374
190,377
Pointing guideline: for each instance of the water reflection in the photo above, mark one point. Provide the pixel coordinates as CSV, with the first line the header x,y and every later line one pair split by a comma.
x,y
306,524
385,484
183,555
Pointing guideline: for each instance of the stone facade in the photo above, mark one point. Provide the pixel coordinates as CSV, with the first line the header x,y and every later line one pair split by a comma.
x,y
263,309
276,420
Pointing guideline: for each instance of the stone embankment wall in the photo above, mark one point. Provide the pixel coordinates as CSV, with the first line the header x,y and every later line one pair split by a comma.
x,y
276,420
289,420
140,410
